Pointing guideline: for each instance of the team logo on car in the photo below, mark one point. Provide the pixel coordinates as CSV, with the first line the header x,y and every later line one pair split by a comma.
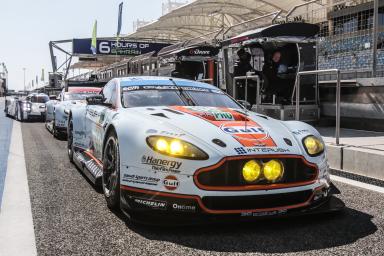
x,y
171,182
249,134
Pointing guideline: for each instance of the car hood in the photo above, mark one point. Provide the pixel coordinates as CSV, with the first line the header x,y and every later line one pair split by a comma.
x,y
73,103
242,132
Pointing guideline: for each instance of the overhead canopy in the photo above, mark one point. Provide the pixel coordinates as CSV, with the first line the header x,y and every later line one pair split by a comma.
x,y
292,30
206,16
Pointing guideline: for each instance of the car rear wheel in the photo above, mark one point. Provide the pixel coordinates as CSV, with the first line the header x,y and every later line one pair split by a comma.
x,y
19,116
111,172
70,140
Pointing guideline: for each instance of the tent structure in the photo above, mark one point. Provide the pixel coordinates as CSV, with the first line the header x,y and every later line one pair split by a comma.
x,y
202,17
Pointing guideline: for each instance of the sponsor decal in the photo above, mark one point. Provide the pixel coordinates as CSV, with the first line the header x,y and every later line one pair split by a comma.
x,y
172,134
183,207
138,179
161,165
247,132
150,203
244,151
240,151
165,87
299,132
261,214
199,52
171,182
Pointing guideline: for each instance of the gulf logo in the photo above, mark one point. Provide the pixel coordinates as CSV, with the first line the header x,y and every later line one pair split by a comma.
x,y
249,134
171,182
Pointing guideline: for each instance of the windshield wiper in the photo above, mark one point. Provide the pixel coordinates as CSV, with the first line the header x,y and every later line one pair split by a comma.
x,y
182,93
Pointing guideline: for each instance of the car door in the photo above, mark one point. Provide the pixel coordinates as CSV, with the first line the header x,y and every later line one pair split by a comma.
x,y
97,116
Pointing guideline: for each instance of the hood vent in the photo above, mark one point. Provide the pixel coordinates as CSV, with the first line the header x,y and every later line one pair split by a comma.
x,y
288,141
160,115
219,143
265,117
173,111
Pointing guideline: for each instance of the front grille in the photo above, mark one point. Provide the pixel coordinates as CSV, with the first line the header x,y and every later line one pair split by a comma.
x,y
256,201
228,175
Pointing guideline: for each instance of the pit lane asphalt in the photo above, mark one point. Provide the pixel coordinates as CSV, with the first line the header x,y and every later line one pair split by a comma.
x,y
71,218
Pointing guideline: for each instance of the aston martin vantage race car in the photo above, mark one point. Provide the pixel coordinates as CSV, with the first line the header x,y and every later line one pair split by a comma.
x,y
180,150
58,109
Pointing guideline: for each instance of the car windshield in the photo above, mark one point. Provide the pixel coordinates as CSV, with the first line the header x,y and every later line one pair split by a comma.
x,y
77,96
147,96
39,99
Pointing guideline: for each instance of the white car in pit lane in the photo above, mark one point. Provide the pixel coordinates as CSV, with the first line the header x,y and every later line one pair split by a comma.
x,y
58,109
178,150
31,107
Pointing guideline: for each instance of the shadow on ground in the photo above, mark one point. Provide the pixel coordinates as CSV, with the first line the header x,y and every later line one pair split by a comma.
x,y
298,234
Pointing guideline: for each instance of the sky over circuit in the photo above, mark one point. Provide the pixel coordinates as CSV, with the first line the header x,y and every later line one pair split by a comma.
x,y
27,27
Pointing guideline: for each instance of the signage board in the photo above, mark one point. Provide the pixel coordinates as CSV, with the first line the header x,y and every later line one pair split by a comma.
x,y
115,47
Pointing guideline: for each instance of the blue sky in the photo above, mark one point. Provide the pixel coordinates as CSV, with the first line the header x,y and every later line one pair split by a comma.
x,y
26,27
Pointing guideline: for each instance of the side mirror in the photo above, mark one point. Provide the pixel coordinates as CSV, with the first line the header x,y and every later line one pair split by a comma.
x,y
95,100
245,104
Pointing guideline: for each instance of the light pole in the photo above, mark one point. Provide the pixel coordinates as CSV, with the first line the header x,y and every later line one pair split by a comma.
x,y
24,78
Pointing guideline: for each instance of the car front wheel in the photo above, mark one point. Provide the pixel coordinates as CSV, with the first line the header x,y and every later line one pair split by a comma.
x,y
111,172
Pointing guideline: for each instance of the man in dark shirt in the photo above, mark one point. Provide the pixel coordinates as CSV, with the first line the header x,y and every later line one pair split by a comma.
x,y
242,67
273,84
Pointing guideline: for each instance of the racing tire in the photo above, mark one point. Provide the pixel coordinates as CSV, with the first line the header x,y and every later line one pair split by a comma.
x,y
111,172
19,116
55,132
70,140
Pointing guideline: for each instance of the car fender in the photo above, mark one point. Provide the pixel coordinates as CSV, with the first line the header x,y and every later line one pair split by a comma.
x,y
81,138
300,130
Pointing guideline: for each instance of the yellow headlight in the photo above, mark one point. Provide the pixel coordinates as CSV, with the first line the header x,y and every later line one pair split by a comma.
x,y
162,145
251,171
273,170
176,148
313,145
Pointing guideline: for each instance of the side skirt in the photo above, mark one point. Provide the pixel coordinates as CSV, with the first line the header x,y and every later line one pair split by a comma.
x,y
49,126
90,166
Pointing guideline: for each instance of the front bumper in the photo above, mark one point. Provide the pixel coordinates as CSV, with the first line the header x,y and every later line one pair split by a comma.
x,y
176,209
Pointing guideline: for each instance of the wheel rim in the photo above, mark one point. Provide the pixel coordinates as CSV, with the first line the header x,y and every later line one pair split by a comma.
x,y
110,167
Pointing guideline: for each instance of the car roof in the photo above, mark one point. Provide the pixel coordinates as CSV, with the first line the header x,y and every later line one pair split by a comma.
x,y
83,89
158,80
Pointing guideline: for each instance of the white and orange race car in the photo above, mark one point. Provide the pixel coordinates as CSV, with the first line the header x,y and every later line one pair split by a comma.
x,y
179,150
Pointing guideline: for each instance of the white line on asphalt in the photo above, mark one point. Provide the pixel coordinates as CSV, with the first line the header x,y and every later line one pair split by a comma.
x,y
17,235
357,184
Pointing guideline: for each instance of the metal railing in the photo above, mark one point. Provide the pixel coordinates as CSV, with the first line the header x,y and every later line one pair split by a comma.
x,y
338,88
253,77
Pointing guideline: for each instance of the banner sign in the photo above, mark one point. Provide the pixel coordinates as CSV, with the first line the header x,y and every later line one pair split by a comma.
x,y
203,51
114,47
